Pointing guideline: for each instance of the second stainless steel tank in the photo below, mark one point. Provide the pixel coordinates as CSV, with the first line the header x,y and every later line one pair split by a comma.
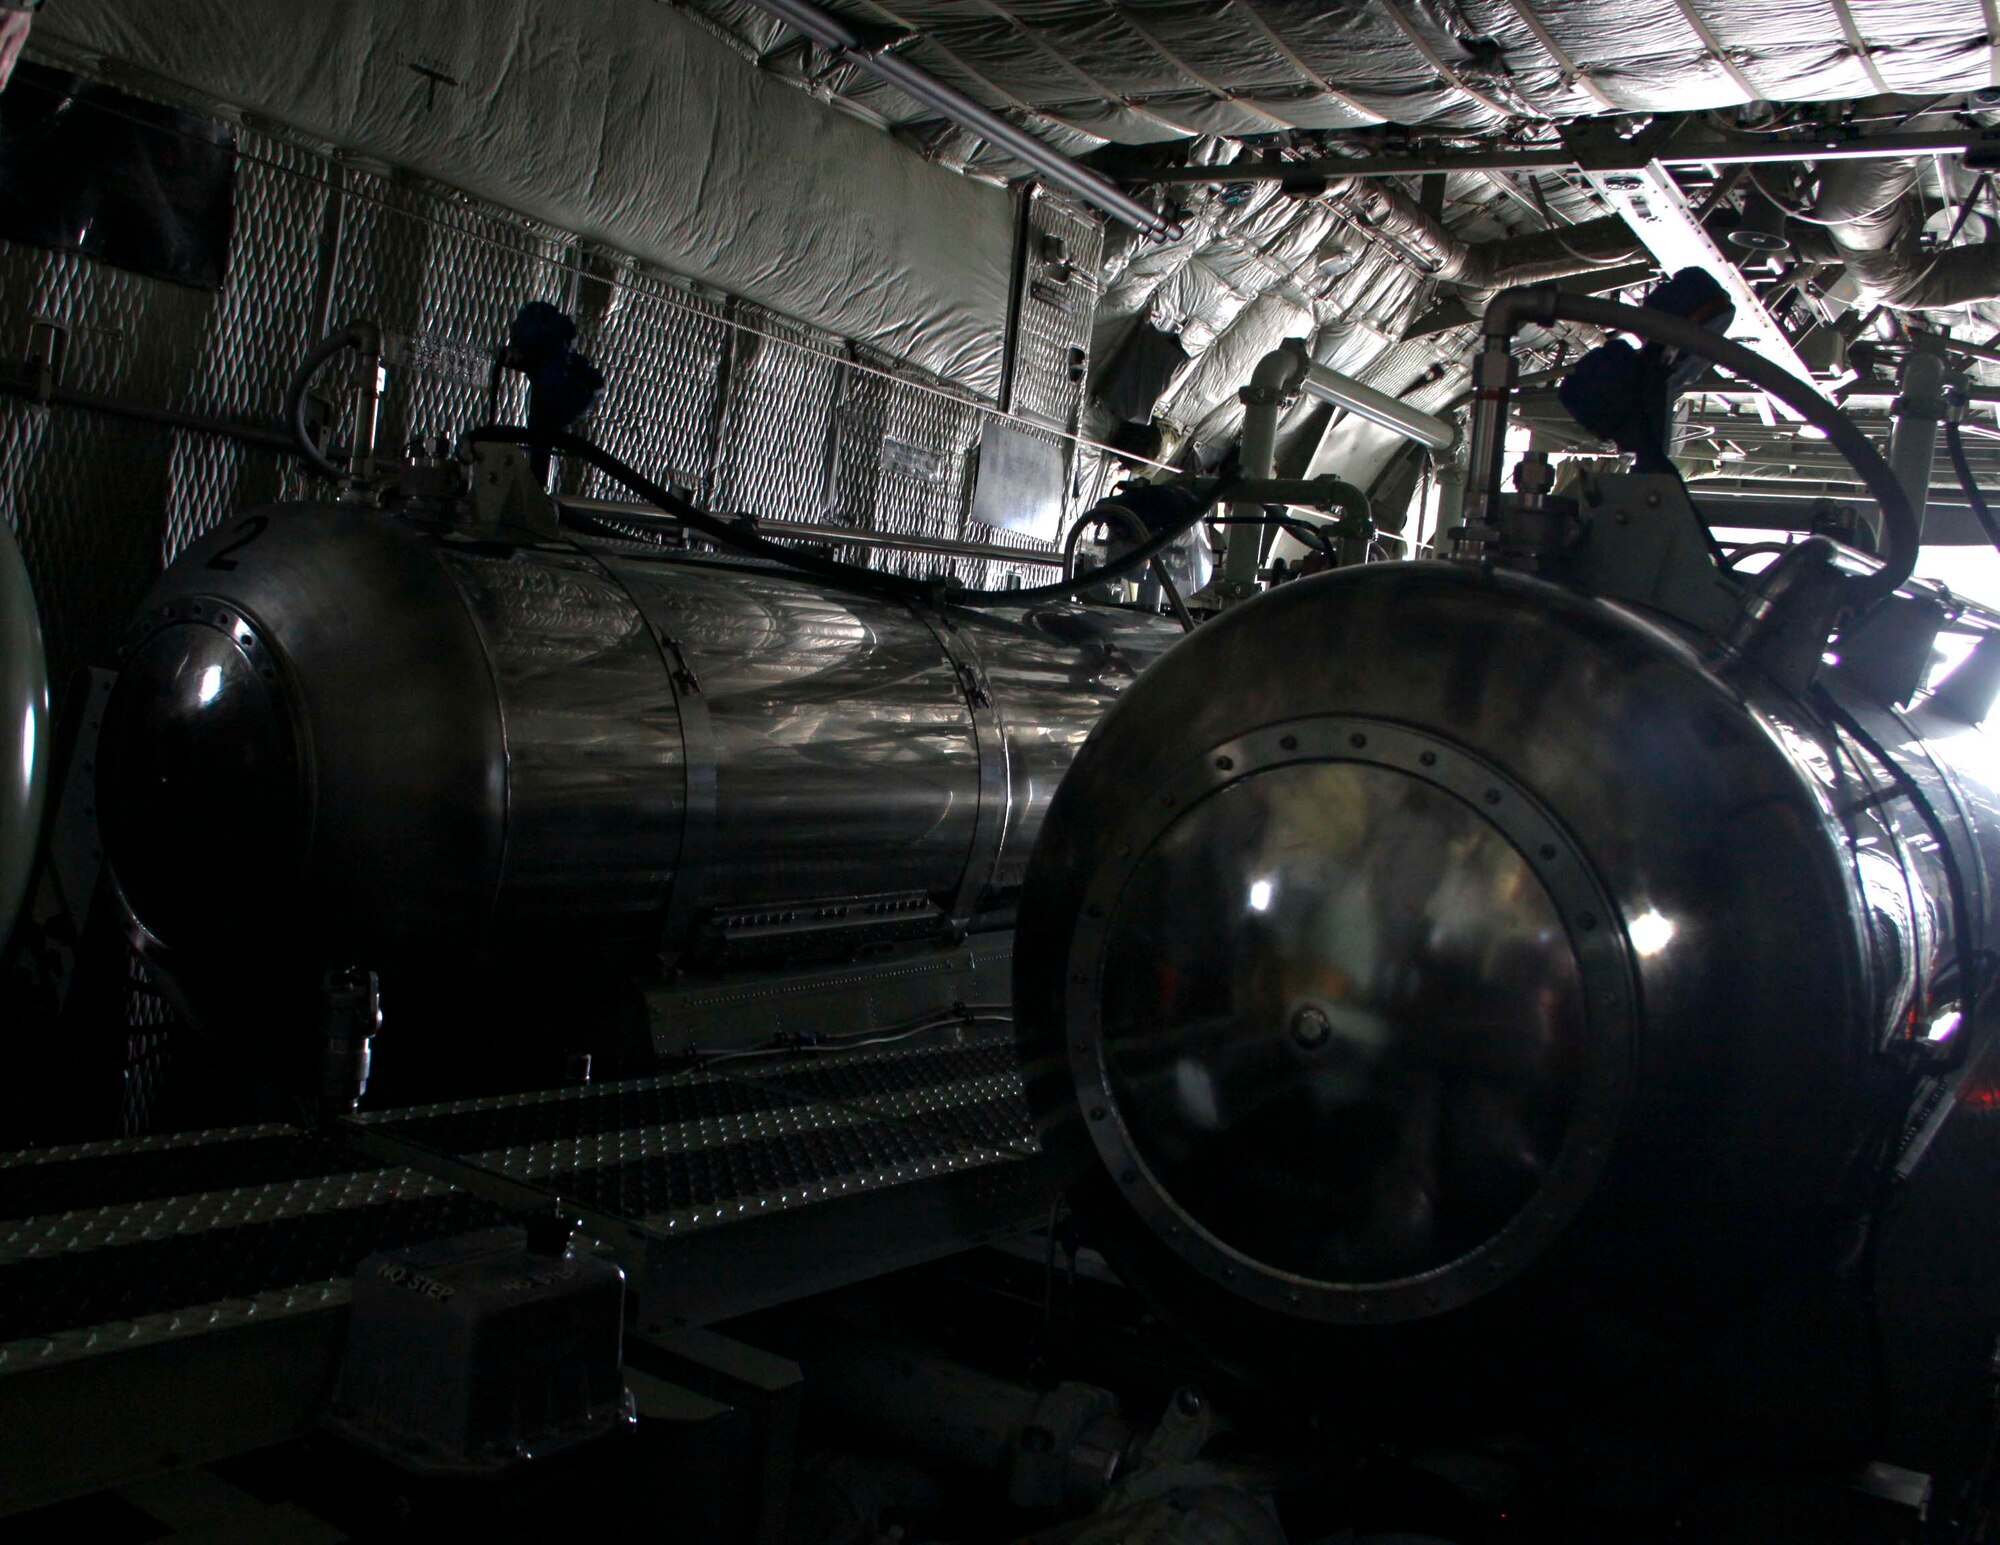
x,y
364,739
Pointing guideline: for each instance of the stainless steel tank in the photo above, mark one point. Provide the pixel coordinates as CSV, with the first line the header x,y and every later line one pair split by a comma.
x,y
339,736
1429,961
24,731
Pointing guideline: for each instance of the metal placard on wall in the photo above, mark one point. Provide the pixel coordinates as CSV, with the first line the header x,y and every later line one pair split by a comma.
x,y
1020,483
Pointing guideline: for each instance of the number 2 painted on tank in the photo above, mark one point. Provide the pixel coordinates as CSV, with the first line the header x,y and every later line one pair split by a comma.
x,y
248,532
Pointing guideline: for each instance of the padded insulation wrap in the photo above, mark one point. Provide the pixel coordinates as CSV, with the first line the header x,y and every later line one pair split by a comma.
x,y
1147,70
619,120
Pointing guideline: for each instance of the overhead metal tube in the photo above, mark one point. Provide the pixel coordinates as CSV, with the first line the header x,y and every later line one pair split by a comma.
x,y
876,56
1378,407
1680,149
1913,442
1494,377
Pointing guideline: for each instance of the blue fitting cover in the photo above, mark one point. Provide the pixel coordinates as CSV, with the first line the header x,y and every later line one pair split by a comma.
x,y
1623,394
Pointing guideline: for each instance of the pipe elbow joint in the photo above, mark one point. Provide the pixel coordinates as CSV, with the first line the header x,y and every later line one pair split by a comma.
x,y
1512,309
1278,375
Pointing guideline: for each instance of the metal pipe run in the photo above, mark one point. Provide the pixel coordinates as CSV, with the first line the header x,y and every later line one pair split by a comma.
x,y
1273,383
1378,407
1913,442
49,396
800,530
1599,153
877,56
1781,506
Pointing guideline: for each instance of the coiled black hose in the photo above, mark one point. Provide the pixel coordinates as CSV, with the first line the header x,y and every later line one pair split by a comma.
x,y
1981,511
1138,528
931,592
1510,309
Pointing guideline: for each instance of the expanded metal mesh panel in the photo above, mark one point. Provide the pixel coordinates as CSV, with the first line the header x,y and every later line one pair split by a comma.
x,y
161,345
1056,309
127,334
88,496
762,418
449,275
783,383
210,478
149,1054
21,433
262,319
661,349
263,316
902,462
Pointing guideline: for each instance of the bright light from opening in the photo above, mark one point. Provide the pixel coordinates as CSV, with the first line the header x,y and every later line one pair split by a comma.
x,y
1650,933
1260,895
1942,1027
211,685
1947,655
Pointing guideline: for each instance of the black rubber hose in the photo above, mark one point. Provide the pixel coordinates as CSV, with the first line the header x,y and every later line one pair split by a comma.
x,y
348,337
1901,533
1954,442
1753,549
1310,533
932,592
1138,527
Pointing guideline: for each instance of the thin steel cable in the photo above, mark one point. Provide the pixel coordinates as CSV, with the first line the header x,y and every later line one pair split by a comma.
x,y
1436,61
1859,43
1533,22
1215,88
1720,54
1248,10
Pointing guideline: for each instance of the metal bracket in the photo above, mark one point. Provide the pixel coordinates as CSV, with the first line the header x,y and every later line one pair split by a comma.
x,y
505,493
698,762
989,735
683,671
48,351
1659,214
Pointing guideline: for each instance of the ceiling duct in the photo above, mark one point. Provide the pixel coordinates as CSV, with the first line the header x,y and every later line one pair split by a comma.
x,y
1556,253
1867,218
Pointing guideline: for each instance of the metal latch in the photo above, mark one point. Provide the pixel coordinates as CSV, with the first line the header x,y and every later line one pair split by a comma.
x,y
679,668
